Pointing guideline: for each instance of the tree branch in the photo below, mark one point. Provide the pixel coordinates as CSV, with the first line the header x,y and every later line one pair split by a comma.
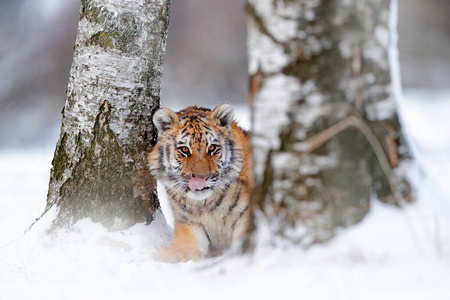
x,y
319,139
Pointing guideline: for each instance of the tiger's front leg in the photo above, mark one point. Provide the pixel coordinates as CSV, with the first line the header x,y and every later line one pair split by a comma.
x,y
190,243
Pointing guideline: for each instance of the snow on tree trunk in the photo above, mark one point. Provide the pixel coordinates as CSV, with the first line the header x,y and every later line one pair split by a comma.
x,y
325,130
99,167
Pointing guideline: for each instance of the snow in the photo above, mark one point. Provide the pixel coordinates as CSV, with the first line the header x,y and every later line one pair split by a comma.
x,y
392,254
393,54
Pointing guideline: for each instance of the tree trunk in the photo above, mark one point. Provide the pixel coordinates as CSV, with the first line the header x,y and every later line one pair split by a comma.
x,y
99,166
325,130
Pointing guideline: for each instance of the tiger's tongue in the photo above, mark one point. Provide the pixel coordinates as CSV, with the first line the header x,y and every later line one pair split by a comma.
x,y
197,183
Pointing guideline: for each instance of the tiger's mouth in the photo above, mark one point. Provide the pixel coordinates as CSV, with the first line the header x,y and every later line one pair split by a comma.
x,y
200,188
203,189
197,183
188,190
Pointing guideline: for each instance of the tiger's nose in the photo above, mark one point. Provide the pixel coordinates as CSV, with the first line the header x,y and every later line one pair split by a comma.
x,y
199,167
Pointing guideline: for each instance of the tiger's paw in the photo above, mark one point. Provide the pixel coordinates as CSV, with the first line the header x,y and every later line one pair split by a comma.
x,y
175,255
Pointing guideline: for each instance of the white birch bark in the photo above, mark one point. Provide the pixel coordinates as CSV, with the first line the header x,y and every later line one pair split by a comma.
x,y
99,168
316,65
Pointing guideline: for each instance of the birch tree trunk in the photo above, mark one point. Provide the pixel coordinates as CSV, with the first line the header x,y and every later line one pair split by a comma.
x,y
99,166
326,135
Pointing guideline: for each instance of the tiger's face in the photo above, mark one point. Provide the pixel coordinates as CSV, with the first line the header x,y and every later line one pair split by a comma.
x,y
195,155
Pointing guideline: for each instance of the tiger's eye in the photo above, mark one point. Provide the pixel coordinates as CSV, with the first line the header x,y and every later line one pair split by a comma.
x,y
211,148
185,150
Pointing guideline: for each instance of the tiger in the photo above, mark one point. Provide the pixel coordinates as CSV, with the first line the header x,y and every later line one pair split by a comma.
x,y
202,158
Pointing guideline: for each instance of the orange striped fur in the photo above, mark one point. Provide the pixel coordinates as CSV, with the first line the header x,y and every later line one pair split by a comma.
x,y
202,159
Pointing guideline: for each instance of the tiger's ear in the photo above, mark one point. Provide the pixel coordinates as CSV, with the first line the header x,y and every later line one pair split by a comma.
x,y
224,114
164,118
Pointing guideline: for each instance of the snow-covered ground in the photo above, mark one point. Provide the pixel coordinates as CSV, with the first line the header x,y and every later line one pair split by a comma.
x,y
392,254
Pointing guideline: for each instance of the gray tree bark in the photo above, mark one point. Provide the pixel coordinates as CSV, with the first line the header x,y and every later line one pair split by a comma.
x,y
99,166
326,135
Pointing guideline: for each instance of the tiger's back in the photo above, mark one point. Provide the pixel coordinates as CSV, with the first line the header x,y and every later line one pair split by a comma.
x,y
202,158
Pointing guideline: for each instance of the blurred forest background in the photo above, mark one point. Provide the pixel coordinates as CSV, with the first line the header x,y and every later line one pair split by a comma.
x,y
205,60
